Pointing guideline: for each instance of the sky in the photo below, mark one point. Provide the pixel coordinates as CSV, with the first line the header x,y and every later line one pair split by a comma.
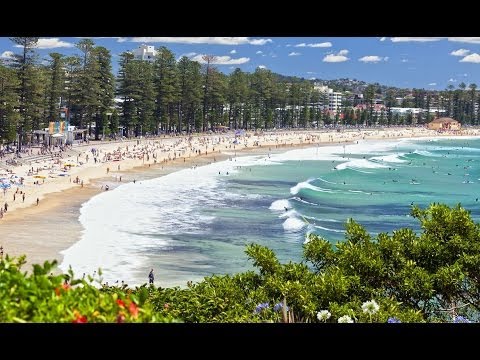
x,y
407,62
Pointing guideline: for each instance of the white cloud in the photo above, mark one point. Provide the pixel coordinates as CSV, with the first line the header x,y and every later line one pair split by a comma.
x,y
7,55
460,52
452,80
404,60
468,40
203,40
122,39
315,45
233,51
259,52
386,58
383,38
262,66
339,57
288,45
472,58
50,43
432,84
189,55
53,43
372,59
260,41
311,72
415,39
293,53
222,60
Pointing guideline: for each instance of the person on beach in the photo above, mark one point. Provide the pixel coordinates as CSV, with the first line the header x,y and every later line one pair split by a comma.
x,y
5,207
38,200
151,277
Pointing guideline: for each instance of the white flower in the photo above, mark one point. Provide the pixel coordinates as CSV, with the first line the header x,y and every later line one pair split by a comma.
x,y
323,315
345,319
370,307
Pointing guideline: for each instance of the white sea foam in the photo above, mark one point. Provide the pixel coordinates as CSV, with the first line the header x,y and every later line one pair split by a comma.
x,y
424,153
392,158
293,224
328,229
306,185
304,201
317,219
287,214
280,205
359,164
122,225
329,182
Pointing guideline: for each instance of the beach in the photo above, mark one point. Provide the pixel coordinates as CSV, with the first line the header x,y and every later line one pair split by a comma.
x,y
62,184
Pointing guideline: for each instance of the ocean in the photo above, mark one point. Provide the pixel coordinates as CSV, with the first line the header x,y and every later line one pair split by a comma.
x,y
197,221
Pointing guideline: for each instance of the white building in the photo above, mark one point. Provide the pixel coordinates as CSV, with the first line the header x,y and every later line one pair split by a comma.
x,y
144,52
334,98
405,111
334,101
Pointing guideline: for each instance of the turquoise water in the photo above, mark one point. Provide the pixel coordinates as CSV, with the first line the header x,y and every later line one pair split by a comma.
x,y
196,222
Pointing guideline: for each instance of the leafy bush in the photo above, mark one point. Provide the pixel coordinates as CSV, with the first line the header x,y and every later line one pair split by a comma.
x,y
433,276
43,297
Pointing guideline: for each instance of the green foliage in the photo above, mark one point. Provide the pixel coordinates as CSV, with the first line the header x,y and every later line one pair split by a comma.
x,y
428,277
43,297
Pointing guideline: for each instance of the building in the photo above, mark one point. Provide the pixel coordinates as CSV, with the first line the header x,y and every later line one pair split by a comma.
x,y
334,98
334,101
144,52
444,123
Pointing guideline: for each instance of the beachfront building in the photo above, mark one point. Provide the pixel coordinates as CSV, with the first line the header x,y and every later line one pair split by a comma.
x,y
334,101
144,52
334,97
444,123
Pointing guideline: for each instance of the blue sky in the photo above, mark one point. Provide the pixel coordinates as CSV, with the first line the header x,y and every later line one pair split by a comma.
x,y
421,62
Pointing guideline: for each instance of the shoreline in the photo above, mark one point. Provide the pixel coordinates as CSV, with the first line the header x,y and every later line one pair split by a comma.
x,y
57,216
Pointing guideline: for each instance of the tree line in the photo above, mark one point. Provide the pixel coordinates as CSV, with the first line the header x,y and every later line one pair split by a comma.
x,y
183,95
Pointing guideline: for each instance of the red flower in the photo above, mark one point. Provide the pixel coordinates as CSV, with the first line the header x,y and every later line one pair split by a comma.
x,y
133,308
120,318
79,319
65,286
120,303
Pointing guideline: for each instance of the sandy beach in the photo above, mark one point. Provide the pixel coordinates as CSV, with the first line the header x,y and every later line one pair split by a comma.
x,y
63,181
